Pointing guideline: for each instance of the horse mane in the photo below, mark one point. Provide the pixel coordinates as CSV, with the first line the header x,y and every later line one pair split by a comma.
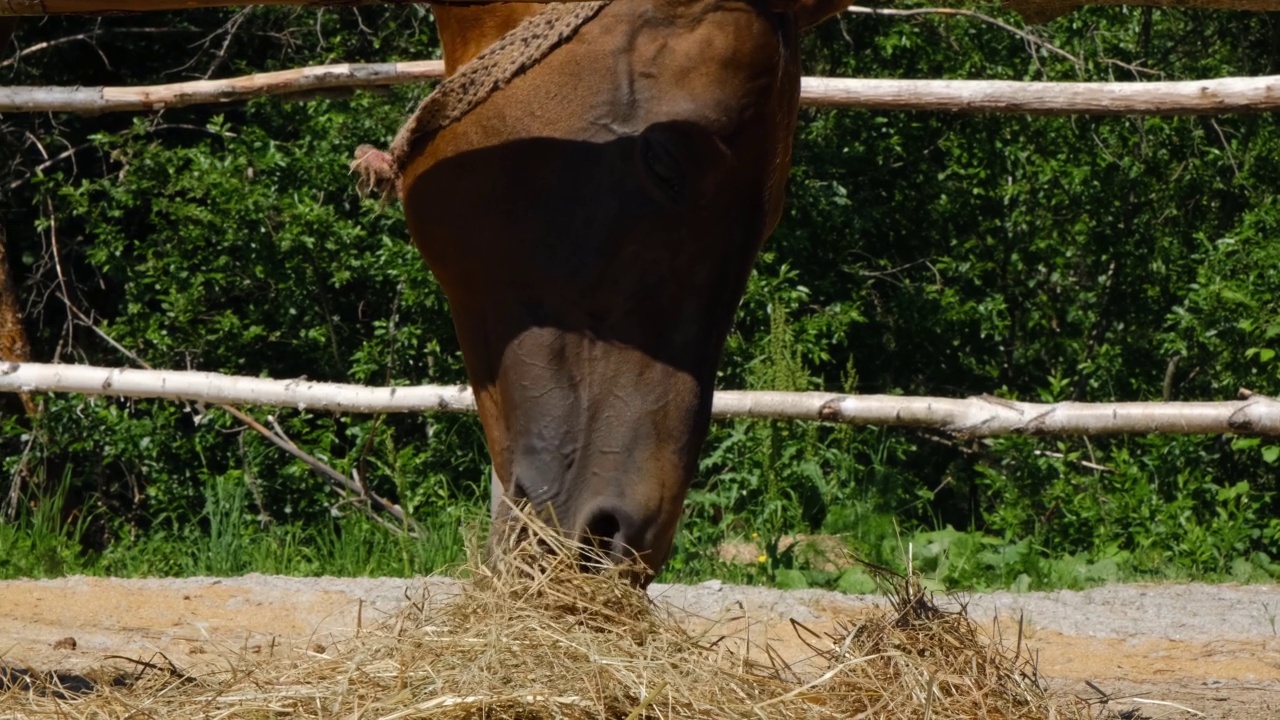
x,y
521,48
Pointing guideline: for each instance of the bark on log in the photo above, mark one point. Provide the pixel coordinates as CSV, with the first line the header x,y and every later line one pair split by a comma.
x,y
1032,10
1188,97
982,416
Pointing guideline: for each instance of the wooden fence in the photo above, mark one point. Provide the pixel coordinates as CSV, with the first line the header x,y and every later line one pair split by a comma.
x,y
982,416
971,417
1033,10
1188,97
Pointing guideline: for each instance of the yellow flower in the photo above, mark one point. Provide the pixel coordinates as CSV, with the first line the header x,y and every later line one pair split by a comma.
x,y
755,536
761,559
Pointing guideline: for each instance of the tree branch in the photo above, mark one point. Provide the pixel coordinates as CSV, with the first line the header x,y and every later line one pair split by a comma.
x,y
86,37
957,12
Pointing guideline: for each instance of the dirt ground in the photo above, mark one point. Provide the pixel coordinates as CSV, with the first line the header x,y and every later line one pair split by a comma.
x,y
1213,650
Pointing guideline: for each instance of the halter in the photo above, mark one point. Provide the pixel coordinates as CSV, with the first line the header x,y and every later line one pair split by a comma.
x,y
512,55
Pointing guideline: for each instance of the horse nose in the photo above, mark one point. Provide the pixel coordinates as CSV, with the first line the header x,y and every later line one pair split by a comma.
x,y
610,533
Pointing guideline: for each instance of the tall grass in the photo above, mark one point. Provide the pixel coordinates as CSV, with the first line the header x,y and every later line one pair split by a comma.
x,y
47,539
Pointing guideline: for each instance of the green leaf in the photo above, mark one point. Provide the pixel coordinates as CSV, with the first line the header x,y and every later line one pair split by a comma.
x,y
789,579
1022,584
856,581
1271,453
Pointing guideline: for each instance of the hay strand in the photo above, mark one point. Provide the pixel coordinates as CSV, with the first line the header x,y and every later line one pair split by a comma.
x,y
533,637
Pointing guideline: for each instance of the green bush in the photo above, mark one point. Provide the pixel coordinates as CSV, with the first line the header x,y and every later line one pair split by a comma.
x,y
1042,259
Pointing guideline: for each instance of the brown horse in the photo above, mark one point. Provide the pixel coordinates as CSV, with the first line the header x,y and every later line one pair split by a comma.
x,y
593,224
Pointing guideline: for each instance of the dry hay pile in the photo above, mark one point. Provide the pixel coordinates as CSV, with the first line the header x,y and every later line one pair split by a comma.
x,y
532,637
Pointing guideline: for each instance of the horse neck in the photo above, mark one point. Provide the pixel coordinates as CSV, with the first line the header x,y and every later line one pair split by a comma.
x,y
465,30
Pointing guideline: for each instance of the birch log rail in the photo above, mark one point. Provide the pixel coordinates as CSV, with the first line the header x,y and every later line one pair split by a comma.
x,y
1033,10
982,416
93,100
95,7
1187,97
1041,11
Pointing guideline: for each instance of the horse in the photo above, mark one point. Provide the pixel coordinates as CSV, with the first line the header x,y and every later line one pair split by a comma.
x,y
591,194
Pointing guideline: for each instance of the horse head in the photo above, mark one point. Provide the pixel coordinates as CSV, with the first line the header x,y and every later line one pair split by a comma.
x,y
593,220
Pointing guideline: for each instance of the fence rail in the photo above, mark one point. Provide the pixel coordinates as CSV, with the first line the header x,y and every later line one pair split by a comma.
x,y
1188,97
94,100
97,7
982,416
1033,10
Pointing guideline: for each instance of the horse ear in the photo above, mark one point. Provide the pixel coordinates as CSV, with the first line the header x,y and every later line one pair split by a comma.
x,y
811,12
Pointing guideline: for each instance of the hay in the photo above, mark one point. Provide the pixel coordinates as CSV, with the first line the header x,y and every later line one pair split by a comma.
x,y
532,637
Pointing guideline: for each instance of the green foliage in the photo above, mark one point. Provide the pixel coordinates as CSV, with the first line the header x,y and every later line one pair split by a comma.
x,y
230,240
45,538
1046,259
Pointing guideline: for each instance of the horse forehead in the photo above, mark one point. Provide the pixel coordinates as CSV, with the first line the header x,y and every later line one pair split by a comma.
x,y
668,55
713,63
723,34
698,65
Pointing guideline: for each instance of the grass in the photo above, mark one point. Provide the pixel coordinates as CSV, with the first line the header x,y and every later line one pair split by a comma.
x,y
48,539
45,540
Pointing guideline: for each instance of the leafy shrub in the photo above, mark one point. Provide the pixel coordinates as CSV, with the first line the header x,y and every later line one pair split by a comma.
x,y
1046,259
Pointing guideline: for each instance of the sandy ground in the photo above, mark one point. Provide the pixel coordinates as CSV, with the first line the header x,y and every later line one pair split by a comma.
x,y
1213,649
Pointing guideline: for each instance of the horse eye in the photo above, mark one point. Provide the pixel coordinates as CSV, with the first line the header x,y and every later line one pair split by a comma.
x,y
663,167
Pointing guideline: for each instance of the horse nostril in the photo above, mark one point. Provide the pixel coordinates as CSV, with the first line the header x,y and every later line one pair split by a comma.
x,y
613,538
601,531
605,540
